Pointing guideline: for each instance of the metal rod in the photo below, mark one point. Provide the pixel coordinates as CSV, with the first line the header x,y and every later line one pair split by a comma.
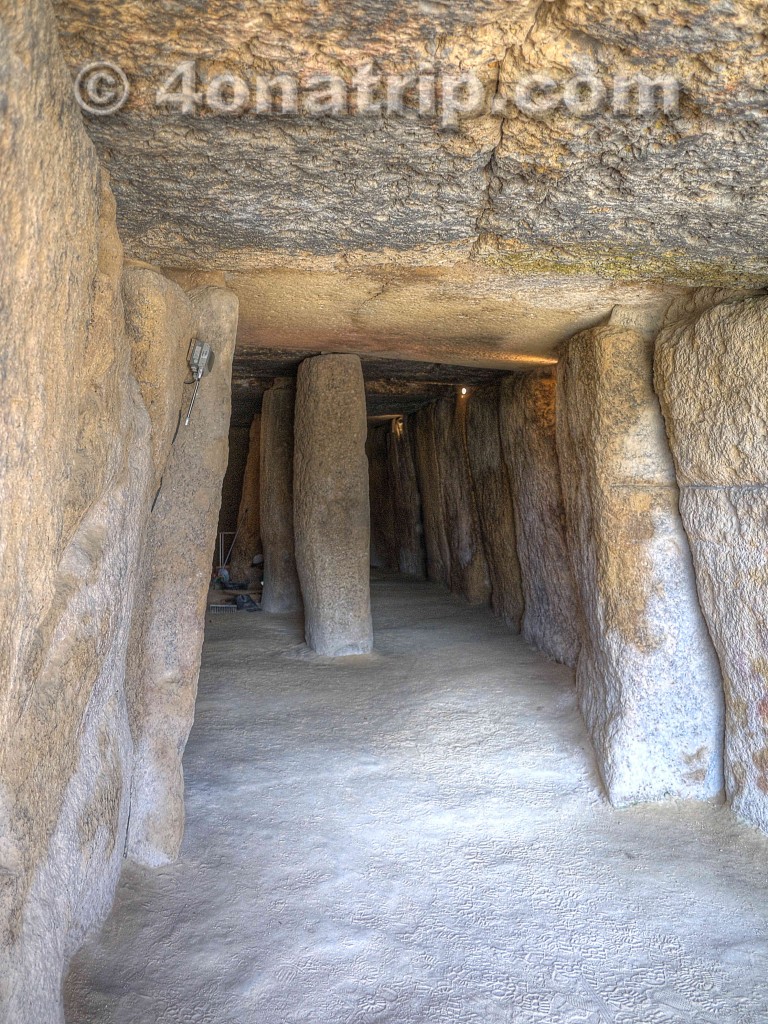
x,y
194,396
234,539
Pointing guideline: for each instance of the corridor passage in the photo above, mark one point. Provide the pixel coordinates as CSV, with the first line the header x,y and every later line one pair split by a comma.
x,y
415,837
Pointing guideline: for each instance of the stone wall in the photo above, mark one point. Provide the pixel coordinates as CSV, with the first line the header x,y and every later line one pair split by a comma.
x,y
397,533
467,565
167,638
647,677
493,498
528,437
422,426
712,381
232,494
75,472
450,522
247,543
406,500
282,591
461,499
384,549
90,380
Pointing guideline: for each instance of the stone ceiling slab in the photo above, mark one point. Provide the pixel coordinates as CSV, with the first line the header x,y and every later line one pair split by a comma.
x,y
677,197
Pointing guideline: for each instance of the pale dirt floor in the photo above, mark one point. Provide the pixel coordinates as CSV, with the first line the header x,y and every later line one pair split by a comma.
x,y
419,837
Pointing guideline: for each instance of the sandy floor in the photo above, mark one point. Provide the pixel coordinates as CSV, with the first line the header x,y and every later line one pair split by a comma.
x,y
419,837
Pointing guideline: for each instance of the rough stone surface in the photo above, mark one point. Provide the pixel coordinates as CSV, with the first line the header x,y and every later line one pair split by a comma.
x,y
411,557
644,195
648,680
430,488
75,481
248,540
282,591
180,550
384,546
397,533
527,421
232,487
159,325
465,314
468,568
710,374
493,497
331,513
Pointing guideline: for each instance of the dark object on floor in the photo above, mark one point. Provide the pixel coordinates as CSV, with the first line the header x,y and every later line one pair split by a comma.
x,y
245,603
221,609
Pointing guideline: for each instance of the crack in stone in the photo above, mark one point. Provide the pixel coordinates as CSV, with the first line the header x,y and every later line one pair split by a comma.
x,y
493,180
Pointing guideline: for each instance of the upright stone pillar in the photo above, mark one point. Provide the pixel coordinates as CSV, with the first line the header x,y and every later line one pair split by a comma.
x,y
331,513
180,547
384,540
282,592
495,507
712,379
407,500
468,568
248,540
527,428
647,677
430,488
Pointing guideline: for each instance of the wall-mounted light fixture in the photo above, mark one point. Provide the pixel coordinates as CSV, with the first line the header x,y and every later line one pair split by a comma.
x,y
463,391
201,359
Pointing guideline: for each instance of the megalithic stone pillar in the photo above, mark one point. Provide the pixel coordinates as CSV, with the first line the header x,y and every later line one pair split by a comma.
x,y
331,511
180,546
647,677
282,592
248,540
712,379
527,429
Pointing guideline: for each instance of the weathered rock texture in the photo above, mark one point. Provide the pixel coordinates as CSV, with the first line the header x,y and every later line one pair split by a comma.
x,y
384,551
406,500
397,533
232,488
248,540
331,513
282,591
712,381
75,473
430,488
91,372
493,497
467,566
180,550
454,545
528,437
632,194
647,676
159,327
